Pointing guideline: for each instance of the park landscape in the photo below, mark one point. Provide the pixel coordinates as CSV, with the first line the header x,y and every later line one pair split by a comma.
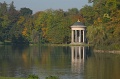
x,y
21,30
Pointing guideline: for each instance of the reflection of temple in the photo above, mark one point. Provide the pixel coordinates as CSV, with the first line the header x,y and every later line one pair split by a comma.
x,y
78,55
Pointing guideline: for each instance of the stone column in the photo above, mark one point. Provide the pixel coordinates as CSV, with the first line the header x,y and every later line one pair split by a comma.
x,y
83,36
79,36
75,35
72,36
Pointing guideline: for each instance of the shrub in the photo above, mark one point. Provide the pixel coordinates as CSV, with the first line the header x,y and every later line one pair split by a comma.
x,y
52,77
33,77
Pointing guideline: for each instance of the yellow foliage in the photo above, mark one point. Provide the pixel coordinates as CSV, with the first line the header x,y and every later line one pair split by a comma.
x,y
24,32
21,20
96,22
44,31
99,19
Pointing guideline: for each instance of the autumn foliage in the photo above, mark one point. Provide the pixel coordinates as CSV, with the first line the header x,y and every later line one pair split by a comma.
x,y
53,26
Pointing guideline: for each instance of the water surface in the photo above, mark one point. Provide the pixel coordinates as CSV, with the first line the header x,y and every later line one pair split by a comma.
x,y
73,62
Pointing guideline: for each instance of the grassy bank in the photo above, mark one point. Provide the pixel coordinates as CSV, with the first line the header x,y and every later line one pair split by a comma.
x,y
107,51
66,44
5,43
9,43
10,78
106,47
31,77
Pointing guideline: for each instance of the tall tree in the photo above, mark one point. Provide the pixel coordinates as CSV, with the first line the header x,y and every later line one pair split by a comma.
x,y
3,9
104,30
88,13
25,12
73,11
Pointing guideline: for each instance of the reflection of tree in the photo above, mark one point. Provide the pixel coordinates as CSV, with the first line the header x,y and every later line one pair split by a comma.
x,y
10,61
21,60
46,56
54,56
103,66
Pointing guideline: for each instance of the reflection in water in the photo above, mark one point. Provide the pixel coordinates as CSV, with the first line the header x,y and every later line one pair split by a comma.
x,y
42,61
75,62
78,55
103,66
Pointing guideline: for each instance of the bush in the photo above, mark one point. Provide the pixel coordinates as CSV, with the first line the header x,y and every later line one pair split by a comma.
x,y
33,77
19,40
52,77
36,77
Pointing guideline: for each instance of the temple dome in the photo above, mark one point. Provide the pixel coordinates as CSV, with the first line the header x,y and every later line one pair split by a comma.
x,y
78,24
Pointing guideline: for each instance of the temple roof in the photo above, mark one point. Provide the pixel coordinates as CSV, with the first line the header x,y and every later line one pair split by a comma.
x,y
78,24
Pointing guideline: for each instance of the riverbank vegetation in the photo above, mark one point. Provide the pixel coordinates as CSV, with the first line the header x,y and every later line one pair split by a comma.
x,y
31,77
53,26
10,78
104,17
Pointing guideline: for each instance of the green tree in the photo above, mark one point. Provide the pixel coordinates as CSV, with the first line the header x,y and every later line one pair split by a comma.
x,y
105,29
88,13
25,12
13,14
3,9
73,11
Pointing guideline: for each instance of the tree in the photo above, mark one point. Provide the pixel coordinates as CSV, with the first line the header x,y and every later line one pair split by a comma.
x,y
3,9
73,11
12,13
105,29
25,12
89,14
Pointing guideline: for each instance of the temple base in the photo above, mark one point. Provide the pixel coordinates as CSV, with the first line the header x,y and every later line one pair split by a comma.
x,y
77,43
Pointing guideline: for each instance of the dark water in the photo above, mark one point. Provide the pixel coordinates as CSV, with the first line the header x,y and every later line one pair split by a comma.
x,y
73,62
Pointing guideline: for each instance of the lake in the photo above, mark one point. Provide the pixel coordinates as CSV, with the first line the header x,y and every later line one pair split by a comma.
x,y
66,62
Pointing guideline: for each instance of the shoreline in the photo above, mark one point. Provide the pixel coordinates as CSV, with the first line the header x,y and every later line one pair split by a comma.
x,y
107,51
30,44
82,44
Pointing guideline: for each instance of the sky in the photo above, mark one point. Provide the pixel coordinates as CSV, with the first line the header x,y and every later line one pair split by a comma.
x,y
41,5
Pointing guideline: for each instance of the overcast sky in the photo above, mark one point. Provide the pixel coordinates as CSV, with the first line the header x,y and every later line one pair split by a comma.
x,y
41,5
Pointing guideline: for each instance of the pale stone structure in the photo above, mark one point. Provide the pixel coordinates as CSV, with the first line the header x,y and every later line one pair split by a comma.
x,y
78,33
